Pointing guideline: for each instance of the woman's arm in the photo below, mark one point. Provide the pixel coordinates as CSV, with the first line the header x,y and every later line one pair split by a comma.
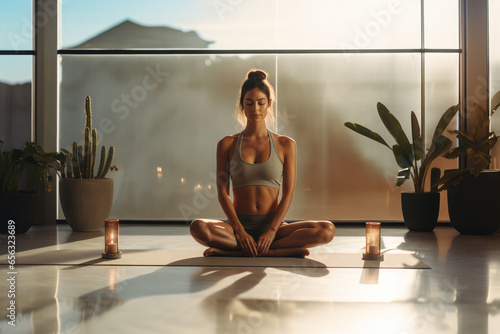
x,y
288,188
245,241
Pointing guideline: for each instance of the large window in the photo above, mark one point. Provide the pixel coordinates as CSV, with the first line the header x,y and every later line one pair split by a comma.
x,y
164,75
16,63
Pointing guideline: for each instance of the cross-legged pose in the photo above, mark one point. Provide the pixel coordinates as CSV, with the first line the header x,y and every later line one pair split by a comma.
x,y
258,162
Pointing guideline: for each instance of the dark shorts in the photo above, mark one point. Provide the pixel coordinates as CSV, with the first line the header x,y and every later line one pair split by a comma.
x,y
256,225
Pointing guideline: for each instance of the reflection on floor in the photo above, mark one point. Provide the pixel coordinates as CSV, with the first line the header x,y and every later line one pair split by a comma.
x,y
460,294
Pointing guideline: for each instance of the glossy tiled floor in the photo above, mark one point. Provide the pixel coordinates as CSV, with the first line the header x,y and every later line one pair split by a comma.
x,y
460,294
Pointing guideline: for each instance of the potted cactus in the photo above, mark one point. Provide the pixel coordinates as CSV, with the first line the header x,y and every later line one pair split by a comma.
x,y
420,208
86,196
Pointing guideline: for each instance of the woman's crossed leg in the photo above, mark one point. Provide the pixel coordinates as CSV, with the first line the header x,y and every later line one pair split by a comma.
x,y
291,239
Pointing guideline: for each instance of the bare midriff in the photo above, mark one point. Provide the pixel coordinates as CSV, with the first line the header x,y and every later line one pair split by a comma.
x,y
255,200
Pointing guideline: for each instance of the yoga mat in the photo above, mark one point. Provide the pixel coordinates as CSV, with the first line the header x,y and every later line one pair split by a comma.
x,y
64,255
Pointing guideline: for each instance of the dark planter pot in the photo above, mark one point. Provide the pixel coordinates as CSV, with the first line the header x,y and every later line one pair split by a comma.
x,y
474,204
22,208
86,203
420,211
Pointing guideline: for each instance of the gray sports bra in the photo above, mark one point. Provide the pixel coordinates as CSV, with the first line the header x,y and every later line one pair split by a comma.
x,y
268,173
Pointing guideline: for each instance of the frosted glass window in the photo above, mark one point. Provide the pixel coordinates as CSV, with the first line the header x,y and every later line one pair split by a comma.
x,y
15,100
165,116
494,48
441,92
257,24
339,171
441,24
15,25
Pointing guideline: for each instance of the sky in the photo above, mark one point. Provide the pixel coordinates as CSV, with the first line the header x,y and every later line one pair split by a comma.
x,y
15,34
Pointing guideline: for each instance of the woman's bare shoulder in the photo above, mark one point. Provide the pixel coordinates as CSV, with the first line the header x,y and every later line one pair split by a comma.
x,y
285,141
227,141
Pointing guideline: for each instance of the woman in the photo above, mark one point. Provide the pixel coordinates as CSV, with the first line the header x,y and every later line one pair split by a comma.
x,y
258,162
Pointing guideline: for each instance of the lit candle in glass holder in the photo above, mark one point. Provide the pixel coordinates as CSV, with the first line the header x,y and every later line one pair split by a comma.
x,y
373,242
111,230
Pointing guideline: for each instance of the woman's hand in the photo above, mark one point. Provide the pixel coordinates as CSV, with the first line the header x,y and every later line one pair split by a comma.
x,y
265,241
246,242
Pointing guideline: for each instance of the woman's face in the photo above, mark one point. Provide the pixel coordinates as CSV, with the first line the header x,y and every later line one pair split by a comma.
x,y
255,105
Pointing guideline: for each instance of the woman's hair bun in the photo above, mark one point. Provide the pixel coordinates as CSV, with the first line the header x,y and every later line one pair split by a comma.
x,y
257,74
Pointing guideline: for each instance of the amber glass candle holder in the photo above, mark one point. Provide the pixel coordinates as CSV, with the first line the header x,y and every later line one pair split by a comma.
x,y
111,231
372,251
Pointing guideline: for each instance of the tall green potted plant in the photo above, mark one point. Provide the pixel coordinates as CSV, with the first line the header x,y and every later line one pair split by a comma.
x,y
23,175
86,196
420,209
474,192
495,102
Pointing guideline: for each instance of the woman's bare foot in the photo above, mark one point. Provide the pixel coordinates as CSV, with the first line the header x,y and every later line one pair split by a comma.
x,y
212,251
277,252
288,252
